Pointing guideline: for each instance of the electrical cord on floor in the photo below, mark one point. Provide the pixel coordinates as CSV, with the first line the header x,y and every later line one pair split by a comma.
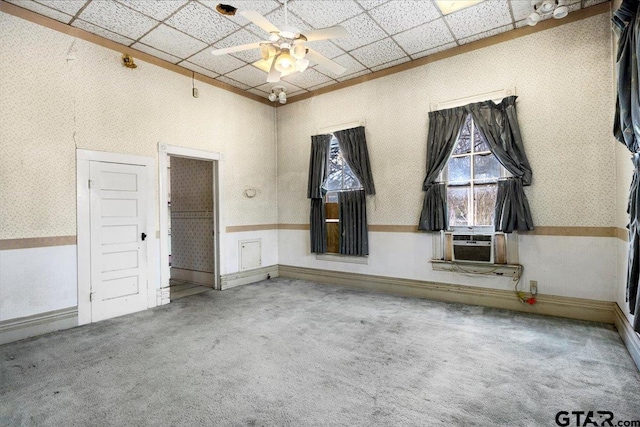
x,y
522,297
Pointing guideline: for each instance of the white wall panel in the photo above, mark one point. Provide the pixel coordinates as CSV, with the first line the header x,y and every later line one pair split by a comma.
x,y
555,262
37,280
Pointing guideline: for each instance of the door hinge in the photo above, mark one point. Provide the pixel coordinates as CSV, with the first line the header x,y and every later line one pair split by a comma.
x,y
91,296
91,183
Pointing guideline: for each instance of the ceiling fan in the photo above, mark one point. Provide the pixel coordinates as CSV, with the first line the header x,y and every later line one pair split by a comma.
x,y
285,52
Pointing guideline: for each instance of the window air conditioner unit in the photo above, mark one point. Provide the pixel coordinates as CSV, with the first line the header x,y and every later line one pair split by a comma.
x,y
465,246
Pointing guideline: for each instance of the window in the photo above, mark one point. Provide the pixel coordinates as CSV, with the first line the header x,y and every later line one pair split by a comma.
x,y
472,174
339,178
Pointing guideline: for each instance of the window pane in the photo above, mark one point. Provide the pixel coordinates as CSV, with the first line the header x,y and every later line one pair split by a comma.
x,y
460,170
458,205
485,203
479,142
351,182
485,168
464,140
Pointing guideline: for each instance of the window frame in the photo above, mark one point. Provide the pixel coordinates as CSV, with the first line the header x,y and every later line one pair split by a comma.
x,y
444,177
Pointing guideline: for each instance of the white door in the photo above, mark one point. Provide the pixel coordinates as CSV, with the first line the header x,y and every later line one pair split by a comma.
x,y
118,239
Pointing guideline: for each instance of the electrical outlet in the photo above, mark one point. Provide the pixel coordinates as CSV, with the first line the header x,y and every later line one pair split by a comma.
x,y
533,287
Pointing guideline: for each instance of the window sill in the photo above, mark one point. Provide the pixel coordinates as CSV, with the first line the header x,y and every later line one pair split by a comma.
x,y
351,259
500,270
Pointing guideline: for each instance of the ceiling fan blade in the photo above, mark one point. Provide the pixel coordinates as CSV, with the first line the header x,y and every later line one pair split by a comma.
x,y
259,20
274,75
236,48
325,62
327,33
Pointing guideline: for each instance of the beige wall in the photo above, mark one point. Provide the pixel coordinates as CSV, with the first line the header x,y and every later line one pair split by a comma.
x,y
58,93
565,101
563,80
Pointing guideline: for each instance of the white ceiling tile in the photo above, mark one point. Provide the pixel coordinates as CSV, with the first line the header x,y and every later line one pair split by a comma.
x,y
42,10
307,79
424,37
589,3
348,62
325,13
299,92
79,23
326,48
476,19
385,50
173,41
397,16
322,85
70,7
353,76
239,38
486,34
117,18
289,88
233,82
262,6
155,52
370,4
202,23
249,75
391,64
198,69
259,93
220,64
277,18
363,31
434,50
159,10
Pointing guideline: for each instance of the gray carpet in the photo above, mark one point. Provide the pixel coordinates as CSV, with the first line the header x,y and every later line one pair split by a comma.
x,y
288,352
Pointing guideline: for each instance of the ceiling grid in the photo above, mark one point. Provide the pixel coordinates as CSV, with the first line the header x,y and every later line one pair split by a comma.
x,y
384,33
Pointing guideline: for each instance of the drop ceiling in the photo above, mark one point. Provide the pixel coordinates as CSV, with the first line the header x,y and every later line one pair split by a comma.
x,y
384,33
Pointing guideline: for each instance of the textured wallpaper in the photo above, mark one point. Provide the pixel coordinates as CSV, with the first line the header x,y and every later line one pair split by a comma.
x,y
192,214
58,93
563,79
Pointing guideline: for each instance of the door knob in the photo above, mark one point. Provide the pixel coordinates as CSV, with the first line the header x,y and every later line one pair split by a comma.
x,y
144,236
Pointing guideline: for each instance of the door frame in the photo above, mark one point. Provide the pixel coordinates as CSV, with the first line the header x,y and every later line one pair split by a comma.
x,y
83,212
216,158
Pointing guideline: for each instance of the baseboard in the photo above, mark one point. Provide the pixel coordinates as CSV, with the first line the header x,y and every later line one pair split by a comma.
x,y
162,296
550,305
629,336
249,276
38,324
199,277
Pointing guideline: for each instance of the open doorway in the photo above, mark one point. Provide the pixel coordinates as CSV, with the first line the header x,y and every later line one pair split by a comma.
x,y
188,222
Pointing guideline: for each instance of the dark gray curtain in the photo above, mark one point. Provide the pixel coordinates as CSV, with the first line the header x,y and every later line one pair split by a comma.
x,y
626,129
317,175
354,238
444,128
353,146
512,208
498,123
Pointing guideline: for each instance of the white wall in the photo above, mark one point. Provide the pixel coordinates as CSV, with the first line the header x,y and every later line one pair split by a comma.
x,y
59,93
565,101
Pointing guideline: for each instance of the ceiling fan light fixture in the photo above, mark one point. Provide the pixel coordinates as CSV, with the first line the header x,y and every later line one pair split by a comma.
x,y
560,12
299,51
533,19
547,6
285,62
